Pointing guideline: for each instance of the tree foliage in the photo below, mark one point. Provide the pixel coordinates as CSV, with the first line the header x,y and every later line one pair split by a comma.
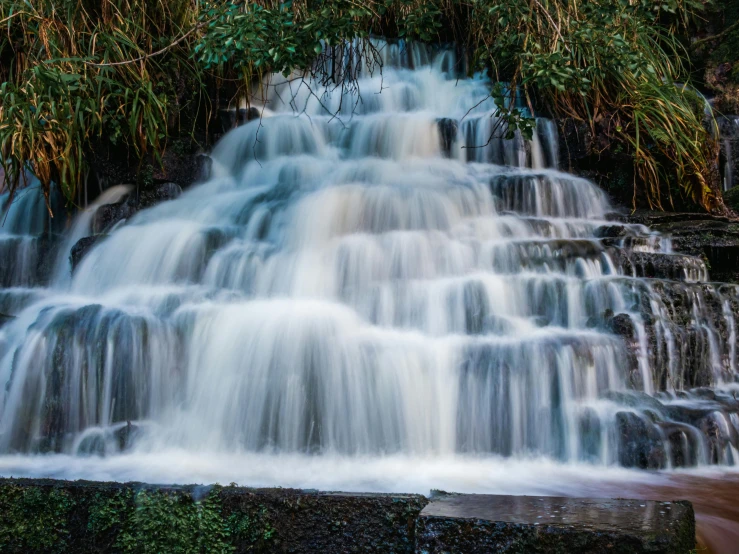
x,y
612,61
74,71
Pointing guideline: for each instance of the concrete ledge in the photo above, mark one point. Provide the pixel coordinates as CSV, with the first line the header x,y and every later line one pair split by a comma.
x,y
40,515
473,524
43,515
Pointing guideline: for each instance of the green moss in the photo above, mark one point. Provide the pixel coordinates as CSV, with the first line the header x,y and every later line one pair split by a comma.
x,y
158,521
181,147
174,523
146,175
37,519
107,515
727,49
33,519
731,198
251,528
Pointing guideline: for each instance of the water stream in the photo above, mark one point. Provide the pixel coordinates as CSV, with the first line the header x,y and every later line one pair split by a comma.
x,y
371,292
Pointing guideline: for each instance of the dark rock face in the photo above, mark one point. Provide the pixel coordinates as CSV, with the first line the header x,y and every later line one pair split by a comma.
x,y
715,239
621,325
590,155
729,158
674,429
27,261
596,153
640,444
448,129
81,248
112,164
230,118
485,523
110,214
204,166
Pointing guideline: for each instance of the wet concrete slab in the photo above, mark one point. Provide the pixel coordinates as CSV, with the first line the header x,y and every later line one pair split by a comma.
x,y
472,523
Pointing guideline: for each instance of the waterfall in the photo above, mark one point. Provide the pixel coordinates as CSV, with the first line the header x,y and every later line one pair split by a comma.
x,y
83,226
375,274
25,221
729,166
729,126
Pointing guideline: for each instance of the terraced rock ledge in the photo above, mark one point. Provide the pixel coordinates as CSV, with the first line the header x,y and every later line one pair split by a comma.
x,y
42,515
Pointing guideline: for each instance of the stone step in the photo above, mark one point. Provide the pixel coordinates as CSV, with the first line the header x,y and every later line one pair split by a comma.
x,y
477,523
45,515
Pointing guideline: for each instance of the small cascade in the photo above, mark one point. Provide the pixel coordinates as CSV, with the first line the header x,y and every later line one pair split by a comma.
x,y
547,137
82,227
373,274
25,230
729,127
729,164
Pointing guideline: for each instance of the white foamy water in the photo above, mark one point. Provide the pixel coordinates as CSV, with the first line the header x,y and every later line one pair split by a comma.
x,y
388,299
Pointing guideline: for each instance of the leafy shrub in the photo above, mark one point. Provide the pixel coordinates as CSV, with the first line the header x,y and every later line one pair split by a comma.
x,y
76,70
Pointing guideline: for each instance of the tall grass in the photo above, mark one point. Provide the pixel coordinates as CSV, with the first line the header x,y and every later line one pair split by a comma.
x,y
77,70
612,61
74,71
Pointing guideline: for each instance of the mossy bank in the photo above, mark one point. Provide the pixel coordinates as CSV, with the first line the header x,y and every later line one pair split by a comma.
x,y
64,517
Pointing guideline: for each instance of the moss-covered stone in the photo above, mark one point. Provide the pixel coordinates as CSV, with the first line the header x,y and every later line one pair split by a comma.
x,y
76,517
46,516
34,519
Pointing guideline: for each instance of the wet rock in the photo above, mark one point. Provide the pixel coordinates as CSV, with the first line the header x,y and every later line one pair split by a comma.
x,y
110,214
126,436
621,325
81,248
714,239
611,231
590,154
682,446
507,524
249,114
229,119
640,444
204,165
717,437
667,266
108,441
448,129
150,196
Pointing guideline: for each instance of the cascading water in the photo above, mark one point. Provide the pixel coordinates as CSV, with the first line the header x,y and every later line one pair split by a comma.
x,y
729,127
388,281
